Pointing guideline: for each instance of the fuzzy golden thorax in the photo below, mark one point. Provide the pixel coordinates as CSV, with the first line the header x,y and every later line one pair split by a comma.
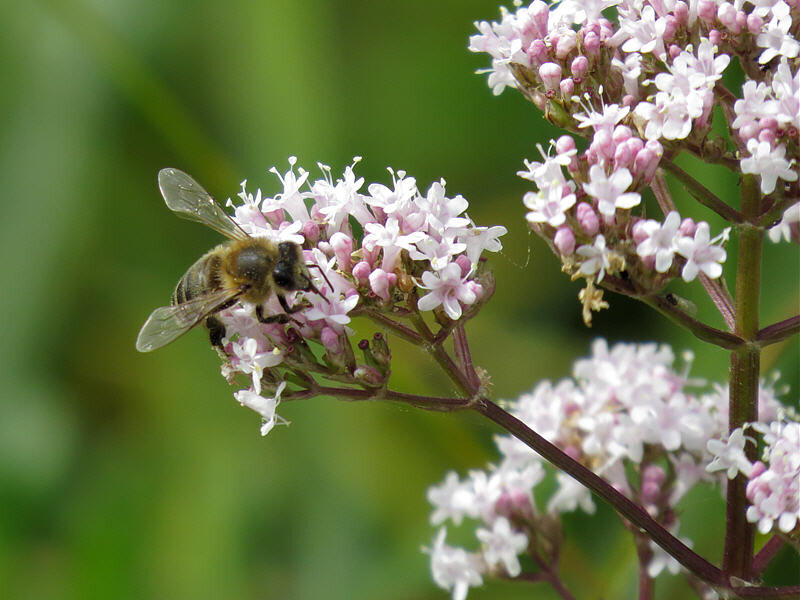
x,y
250,264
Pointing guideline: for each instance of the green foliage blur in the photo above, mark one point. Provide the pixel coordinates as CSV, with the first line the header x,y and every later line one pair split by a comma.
x,y
125,475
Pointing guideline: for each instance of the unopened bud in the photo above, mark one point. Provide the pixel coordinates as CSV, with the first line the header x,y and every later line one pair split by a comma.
x,y
566,87
310,231
464,263
715,36
707,11
754,24
565,144
591,43
330,340
361,272
550,74
654,473
687,227
564,240
537,52
380,281
579,66
567,40
587,218
342,245
681,12
381,352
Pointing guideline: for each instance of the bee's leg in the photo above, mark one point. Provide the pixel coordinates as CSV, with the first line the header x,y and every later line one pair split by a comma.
x,y
216,331
285,306
281,318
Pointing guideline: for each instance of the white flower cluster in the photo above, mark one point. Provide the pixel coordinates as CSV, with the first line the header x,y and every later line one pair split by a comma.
x,y
626,411
411,241
644,87
773,489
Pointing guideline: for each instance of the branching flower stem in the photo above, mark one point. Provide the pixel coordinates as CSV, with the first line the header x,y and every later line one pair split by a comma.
x,y
662,304
702,194
744,378
779,331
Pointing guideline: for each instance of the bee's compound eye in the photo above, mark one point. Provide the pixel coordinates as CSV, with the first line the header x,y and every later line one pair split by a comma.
x,y
282,274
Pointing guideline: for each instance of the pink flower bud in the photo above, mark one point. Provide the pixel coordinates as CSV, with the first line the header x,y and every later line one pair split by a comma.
x,y
674,50
707,11
603,144
766,135
567,40
628,100
476,288
379,283
621,133
681,12
638,232
670,27
649,262
565,144
687,227
330,339
715,37
623,157
361,272
635,145
310,231
741,20
606,29
726,13
342,245
567,87
651,492
564,240
540,13
749,130
550,74
572,452
587,218
758,468
754,24
767,122
537,52
579,66
276,217
654,473
591,43
463,262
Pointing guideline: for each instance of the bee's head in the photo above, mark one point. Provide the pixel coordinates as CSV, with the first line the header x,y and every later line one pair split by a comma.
x,y
288,273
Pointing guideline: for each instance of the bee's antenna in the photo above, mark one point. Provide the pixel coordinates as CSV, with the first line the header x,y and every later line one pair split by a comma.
x,y
311,286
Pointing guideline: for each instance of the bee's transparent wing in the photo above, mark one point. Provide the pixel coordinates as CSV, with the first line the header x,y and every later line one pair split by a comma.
x,y
168,323
189,200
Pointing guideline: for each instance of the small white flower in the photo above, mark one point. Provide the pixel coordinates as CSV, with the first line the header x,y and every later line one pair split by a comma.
x,y
502,545
453,568
791,216
660,240
569,496
595,258
610,190
768,162
548,205
263,406
448,288
729,455
701,253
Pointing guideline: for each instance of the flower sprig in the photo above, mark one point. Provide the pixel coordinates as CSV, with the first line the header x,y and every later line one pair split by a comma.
x,y
390,253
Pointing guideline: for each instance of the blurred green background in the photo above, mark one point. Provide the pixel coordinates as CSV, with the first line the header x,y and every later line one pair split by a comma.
x,y
125,475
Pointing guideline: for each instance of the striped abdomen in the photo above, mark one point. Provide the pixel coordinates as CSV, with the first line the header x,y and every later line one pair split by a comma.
x,y
201,278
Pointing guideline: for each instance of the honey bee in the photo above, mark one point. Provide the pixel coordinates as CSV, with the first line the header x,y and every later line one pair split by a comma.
x,y
245,268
